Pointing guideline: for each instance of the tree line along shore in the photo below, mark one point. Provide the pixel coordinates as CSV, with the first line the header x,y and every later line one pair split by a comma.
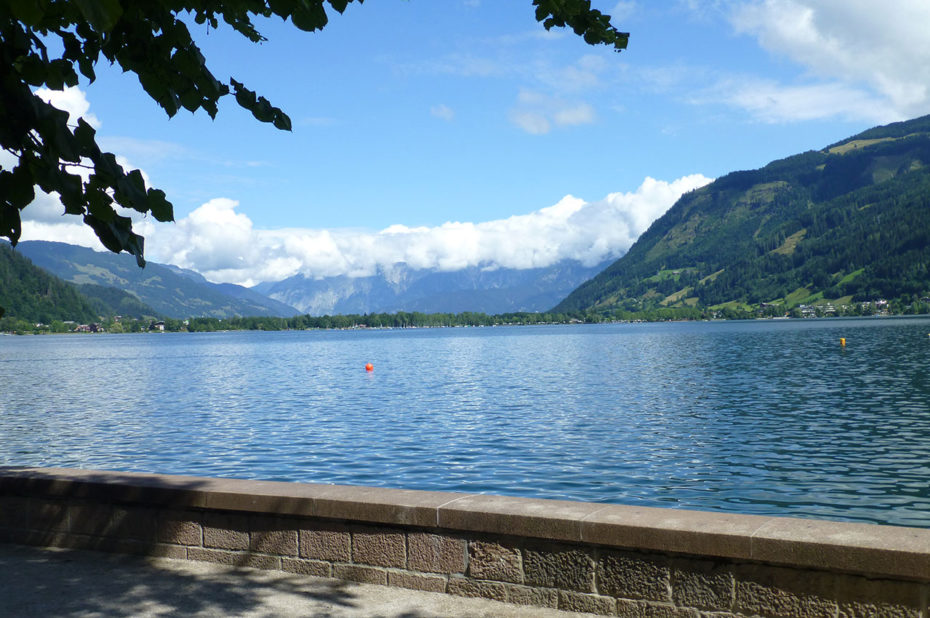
x,y
415,319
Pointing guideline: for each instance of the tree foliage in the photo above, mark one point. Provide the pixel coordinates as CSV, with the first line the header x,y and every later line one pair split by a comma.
x,y
52,43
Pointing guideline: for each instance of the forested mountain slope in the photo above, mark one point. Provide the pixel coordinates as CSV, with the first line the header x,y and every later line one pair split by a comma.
x,y
27,291
846,224
169,290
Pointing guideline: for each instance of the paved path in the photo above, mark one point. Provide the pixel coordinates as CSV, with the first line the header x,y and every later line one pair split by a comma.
x,y
46,582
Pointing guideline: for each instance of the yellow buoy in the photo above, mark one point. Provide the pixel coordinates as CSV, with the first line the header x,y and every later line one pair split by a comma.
x,y
843,341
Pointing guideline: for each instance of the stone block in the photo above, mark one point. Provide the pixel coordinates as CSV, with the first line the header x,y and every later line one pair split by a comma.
x,y
417,581
233,558
129,546
66,541
630,575
379,505
113,522
491,560
645,609
326,542
537,597
164,550
558,520
179,528
225,531
91,519
360,574
316,568
434,553
13,512
47,515
217,556
464,587
674,531
891,552
277,542
559,566
271,535
379,547
702,584
777,592
586,603
860,598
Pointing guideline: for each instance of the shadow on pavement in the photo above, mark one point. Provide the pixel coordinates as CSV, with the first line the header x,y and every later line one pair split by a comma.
x,y
42,582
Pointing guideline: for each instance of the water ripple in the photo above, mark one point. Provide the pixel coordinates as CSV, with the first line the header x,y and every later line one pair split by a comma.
x,y
754,417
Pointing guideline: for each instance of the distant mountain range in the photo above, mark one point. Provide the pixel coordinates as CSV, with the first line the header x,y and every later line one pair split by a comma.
x,y
169,291
846,224
401,288
113,284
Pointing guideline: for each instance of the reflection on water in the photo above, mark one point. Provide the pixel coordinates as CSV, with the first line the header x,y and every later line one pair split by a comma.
x,y
756,417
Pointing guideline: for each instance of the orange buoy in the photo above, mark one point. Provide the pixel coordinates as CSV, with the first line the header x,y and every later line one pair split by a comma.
x,y
369,367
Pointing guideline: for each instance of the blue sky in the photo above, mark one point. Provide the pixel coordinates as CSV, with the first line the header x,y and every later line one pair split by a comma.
x,y
450,133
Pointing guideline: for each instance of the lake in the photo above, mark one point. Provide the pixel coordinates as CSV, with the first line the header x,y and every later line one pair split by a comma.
x,y
767,417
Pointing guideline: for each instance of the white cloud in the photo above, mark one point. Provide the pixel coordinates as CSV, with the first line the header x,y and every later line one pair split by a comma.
x,y
71,100
222,243
772,102
533,123
536,113
871,59
622,11
583,75
550,92
68,229
443,112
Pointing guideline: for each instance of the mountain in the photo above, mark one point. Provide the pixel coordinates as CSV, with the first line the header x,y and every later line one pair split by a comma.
x,y
28,292
110,301
170,291
849,223
401,288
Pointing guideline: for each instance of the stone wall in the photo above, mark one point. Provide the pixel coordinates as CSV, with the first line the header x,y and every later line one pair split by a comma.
x,y
604,559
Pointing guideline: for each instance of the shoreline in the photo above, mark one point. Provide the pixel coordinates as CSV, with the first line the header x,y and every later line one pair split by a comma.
x,y
898,316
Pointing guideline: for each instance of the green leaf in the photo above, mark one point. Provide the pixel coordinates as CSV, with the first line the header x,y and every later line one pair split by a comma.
x,y
161,208
107,169
260,107
117,235
282,121
102,14
32,69
130,192
11,225
60,73
16,187
99,203
71,189
309,15
85,136
339,5
30,12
